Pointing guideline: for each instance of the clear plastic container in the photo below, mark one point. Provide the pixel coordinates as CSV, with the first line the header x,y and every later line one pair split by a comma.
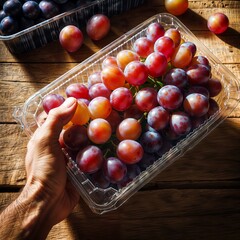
x,y
47,31
103,200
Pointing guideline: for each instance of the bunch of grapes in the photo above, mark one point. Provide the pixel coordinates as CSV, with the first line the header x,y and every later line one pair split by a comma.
x,y
142,102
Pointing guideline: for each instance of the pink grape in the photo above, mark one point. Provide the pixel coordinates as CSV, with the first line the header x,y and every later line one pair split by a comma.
x,y
94,78
99,89
109,61
182,57
136,73
166,46
98,26
52,101
156,63
126,56
154,31
175,35
121,99
143,46
113,77
77,90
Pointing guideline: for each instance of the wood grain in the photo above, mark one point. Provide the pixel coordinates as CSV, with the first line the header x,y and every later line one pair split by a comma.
x,y
170,213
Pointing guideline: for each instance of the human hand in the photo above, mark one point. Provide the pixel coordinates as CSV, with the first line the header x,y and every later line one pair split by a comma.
x,y
46,165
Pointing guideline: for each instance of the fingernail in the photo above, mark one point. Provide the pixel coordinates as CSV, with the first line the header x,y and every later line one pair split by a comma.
x,y
69,102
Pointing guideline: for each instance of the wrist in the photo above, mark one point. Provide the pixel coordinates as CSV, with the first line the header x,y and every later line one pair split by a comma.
x,y
34,206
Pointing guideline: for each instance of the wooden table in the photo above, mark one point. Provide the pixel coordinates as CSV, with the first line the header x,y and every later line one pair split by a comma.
x,y
198,197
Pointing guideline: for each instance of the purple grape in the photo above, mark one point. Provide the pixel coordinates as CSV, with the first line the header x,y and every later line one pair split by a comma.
x,y
170,97
8,26
99,180
31,9
191,46
180,123
114,169
196,104
198,74
12,8
49,8
158,118
151,141
177,77
147,160
198,89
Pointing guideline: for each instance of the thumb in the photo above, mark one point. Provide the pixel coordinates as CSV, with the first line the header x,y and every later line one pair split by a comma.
x,y
60,116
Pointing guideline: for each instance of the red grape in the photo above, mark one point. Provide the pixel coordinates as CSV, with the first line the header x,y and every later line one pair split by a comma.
x,y
177,77
129,151
214,87
129,128
99,89
75,137
109,61
198,74
176,7
218,23
113,77
151,141
166,46
71,38
100,107
99,131
90,159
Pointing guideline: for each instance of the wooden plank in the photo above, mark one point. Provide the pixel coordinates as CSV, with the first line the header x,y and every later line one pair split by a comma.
x,y
169,213
199,164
